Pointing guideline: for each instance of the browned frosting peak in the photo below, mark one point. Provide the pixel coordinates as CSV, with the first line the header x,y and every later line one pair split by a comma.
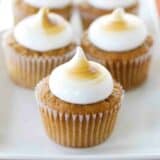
x,y
50,27
81,68
118,22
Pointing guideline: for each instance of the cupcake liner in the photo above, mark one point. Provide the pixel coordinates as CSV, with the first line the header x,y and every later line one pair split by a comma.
x,y
130,73
28,71
78,130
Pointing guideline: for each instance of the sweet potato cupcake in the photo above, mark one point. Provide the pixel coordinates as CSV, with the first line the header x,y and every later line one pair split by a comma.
x,y
92,9
23,8
36,45
79,103
121,42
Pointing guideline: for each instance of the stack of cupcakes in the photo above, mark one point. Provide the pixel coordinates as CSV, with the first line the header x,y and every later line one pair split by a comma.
x,y
79,91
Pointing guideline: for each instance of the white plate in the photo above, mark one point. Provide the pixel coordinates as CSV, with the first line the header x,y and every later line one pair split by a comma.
x,y
137,133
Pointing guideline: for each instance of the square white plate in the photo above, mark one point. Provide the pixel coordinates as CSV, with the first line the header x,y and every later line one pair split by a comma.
x,y
137,133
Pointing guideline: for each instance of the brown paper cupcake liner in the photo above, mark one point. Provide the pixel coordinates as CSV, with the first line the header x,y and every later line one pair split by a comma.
x,y
28,71
129,73
77,130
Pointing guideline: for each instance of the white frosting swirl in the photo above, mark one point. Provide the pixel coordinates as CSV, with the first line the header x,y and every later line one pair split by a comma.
x,y
111,4
49,3
80,81
118,32
43,32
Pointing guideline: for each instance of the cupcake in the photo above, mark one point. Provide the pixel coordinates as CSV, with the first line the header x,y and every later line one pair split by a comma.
x,y
79,103
92,9
24,8
121,42
36,45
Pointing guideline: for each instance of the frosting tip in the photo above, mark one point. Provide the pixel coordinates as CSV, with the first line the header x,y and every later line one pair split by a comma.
x,y
80,53
118,14
49,26
43,11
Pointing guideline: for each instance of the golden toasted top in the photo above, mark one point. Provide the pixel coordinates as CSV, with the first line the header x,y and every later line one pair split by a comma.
x,y
50,26
118,22
81,68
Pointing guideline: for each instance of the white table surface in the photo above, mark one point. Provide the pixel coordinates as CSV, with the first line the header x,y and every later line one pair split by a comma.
x,y
137,133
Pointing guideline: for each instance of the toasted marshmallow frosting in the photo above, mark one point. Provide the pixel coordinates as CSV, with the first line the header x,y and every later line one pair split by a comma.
x,y
57,4
111,4
80,81
118,32
43,31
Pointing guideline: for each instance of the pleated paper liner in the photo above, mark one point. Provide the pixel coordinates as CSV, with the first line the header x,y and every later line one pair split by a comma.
x,y
76,130
27,71
129,73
